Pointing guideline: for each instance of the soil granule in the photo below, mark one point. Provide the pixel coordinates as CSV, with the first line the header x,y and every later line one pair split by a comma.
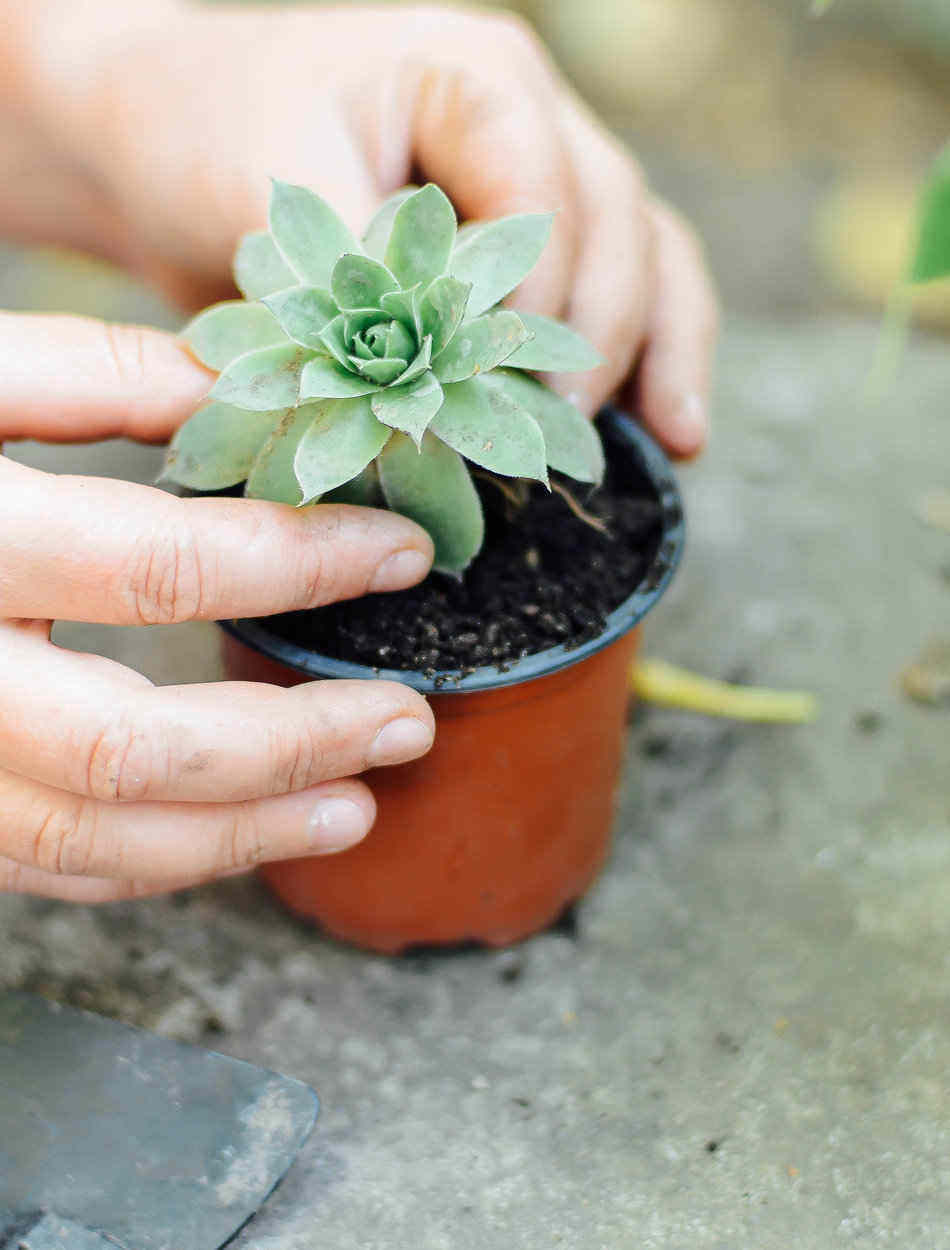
x,y
544,577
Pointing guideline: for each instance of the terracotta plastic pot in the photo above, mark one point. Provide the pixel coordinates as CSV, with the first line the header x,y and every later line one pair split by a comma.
x,y
507,820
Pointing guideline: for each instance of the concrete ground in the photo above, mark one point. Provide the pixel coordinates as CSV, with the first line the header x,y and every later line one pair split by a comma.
x,y
745,1044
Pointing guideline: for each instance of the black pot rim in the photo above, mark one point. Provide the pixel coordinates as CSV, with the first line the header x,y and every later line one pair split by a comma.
x,y
621,431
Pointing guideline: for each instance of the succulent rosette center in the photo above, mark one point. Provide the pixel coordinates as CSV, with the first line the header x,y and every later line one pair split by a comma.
x,y
369,370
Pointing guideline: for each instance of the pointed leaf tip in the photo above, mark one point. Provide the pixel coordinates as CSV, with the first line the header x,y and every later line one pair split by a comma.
x,y
481,345
259,269
498,256
342,439
309,235
422,236
553,348
225,331
488,427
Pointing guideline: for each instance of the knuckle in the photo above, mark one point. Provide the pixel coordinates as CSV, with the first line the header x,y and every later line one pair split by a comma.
x,y
297,760
164,580
64,840
125,349
516,35
323,572
120,763
244,839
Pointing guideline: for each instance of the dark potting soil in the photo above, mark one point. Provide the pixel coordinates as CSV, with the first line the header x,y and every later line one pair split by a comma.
x,y
544,577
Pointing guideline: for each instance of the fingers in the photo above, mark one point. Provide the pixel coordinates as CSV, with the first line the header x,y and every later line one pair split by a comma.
x,y
91,549
74,379
87,725
67,835
17,879
608,305
489,137
672,385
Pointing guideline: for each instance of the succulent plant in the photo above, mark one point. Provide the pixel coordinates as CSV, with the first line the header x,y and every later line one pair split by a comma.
x,y
369,372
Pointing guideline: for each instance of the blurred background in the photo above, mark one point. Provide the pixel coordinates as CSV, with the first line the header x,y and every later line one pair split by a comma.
x,y
794,143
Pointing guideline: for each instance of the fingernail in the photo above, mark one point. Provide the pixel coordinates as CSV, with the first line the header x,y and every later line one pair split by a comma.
x,y
688,426
401,569
335,825
401,740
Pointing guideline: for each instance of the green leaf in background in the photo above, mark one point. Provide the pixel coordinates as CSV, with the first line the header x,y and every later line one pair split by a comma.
x,y
433,487
422,236
363,490
342,439
487,426
498,256
376,238
309,234
818,7
262,381
272,475
553,348
480,345
303,311
217,447
225,331
932,257
410,407
259,269
572,444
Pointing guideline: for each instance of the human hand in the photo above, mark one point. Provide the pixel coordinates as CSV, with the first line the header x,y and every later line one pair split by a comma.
x,y
175,158
109,786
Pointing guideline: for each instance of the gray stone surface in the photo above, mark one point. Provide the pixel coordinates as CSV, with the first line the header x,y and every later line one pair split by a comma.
x,y
745,1046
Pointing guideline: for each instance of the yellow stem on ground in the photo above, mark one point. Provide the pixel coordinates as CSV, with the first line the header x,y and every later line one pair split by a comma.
x,y
656,681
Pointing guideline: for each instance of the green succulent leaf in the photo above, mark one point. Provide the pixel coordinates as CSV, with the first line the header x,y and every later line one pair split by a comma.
x,y
932,257
399,342
333,338
363,490
309,234
422,236
359,320
442,309
496,257
359,282
420,363
404,307
554,348
225,331
323,378
272,475
409,407
302,312
259,269
376,238
263,381
432,486
217,446
381,370
342,439
571,442
486,426
480,345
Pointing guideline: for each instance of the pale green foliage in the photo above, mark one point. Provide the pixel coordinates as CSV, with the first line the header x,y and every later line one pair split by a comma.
x,y
369,372
932,256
